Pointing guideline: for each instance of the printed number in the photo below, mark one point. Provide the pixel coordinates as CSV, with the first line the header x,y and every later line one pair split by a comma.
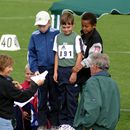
x,y
70,53
3,42
65,53
60,53
9,42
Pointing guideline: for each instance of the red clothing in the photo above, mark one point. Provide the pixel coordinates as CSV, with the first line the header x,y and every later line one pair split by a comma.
x,y
26,85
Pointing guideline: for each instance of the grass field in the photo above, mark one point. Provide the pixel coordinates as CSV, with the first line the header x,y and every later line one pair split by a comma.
x,y
17,17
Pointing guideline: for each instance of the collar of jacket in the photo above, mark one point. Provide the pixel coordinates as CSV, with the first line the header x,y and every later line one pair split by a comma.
x,y
103,73
45,31
1,76
7,78
88,35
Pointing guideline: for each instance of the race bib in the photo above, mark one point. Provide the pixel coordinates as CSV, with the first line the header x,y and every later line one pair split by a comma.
x,y
66,51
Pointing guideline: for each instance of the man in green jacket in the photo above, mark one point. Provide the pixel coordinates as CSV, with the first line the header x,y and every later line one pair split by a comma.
x,y
99,107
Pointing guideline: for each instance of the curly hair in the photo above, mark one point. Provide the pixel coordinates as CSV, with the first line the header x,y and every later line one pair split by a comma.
x,y
5,61
90,17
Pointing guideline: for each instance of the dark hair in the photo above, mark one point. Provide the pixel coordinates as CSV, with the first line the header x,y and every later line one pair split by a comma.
x,y
89,16
67,18
5,61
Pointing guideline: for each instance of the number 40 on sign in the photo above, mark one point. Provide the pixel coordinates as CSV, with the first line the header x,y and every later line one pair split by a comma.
x,y
9,42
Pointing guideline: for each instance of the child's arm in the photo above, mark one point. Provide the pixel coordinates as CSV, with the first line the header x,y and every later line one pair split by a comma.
x,y
55,60
73,76
55,76
32,56
79,51
96,48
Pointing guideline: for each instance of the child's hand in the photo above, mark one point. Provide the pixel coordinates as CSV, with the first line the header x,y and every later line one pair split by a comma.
x,y
40,82
26,115
37,73
55,77
73,77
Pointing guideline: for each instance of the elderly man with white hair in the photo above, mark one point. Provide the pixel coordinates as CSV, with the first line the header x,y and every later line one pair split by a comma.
x,y
99,107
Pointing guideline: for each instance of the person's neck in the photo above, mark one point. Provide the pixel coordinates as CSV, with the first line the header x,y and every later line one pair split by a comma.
x,y
1,73
97,71
45,31
101,72
67,34
27,81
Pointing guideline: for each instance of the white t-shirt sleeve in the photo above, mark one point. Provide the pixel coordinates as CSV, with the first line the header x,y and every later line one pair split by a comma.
x,y
78,44
55,44
96,48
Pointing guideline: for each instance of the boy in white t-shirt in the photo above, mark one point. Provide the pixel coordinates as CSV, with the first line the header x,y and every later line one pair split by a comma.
x,y
68,53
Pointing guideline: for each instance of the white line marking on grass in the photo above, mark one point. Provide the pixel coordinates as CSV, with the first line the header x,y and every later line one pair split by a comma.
x,y
116,52
125,110
16,17
119,52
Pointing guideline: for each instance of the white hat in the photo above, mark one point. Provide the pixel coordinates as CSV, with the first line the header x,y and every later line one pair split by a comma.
x,y
42,18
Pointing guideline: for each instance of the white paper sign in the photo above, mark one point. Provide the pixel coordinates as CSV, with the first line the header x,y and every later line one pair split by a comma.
x,y
40,76
24,103
9,42
66,51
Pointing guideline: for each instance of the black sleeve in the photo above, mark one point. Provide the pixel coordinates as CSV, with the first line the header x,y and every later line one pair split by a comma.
x,y
97,39
20,95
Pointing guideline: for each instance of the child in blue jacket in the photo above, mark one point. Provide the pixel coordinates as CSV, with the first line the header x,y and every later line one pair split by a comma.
x,y
41,58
